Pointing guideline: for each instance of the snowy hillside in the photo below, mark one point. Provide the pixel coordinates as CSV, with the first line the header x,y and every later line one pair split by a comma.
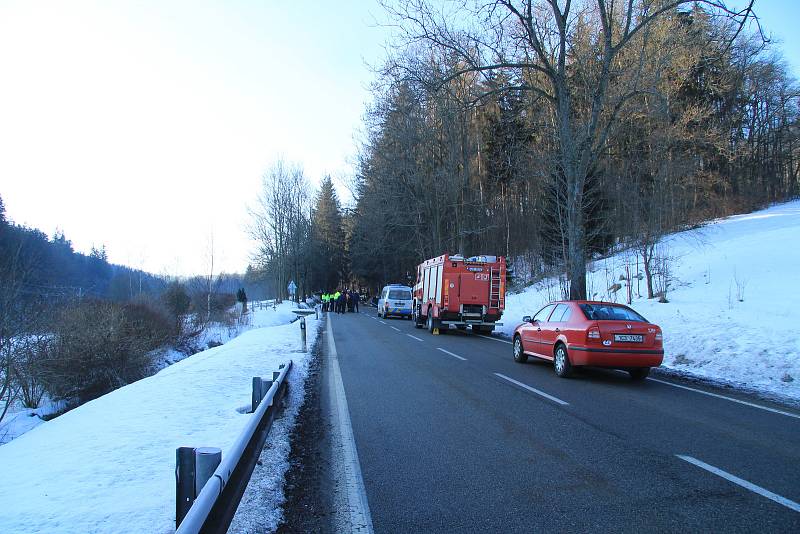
x,y
708,332
108,466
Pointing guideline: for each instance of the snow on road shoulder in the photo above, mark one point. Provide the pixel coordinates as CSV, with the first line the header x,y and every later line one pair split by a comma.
x,y
708,332
108,466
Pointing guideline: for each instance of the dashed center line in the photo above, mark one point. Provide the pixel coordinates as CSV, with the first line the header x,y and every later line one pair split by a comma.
x,y
382,322
394,328
533,390
494,339
766,408
788,503
413,337
451,354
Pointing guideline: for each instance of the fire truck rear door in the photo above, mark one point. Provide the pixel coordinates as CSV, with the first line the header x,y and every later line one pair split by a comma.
x,y
474,289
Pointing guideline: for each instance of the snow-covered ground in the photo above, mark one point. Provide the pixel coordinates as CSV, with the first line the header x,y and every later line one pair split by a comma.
x,y
708,332
20,420
108,466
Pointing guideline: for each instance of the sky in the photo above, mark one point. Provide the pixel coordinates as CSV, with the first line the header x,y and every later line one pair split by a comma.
x,y
146,126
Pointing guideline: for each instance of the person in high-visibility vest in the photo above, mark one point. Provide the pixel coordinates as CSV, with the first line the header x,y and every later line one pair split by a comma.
x,y
336,302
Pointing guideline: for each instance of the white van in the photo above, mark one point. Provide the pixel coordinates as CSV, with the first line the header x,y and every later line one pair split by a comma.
x,y
395,300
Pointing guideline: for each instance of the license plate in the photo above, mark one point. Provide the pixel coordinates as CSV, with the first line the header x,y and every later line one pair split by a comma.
x,y
629,338
400,304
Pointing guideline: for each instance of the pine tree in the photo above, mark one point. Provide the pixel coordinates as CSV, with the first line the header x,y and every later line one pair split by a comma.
x,y
327,237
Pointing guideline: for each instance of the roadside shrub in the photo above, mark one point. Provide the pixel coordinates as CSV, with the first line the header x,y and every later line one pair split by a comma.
x,y
149,323
100,346
177,302
30,353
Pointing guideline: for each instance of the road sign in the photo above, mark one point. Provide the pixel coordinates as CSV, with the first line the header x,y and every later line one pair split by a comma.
x,y
292,287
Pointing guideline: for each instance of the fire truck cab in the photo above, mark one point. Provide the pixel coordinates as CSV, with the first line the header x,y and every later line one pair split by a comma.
x,y
452,290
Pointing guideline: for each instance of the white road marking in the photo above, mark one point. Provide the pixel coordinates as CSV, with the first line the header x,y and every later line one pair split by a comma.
x,y
382,322
494,338
394,328
788,503
451,354
533,390
414,337
354,515
766,408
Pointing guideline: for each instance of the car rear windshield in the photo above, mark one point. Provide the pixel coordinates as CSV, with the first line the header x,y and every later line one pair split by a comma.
x,y
609,312
399,294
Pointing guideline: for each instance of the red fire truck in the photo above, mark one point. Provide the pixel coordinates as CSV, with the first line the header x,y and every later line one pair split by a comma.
x,y
452,290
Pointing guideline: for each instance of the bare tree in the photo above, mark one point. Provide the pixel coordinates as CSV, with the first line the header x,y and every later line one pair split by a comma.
x,y
280,225
583,60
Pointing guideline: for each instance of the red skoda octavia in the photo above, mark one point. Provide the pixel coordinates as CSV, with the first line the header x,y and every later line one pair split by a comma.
x,y
600,334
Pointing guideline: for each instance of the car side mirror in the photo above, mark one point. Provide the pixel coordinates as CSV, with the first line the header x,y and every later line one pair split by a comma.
x,y
527,319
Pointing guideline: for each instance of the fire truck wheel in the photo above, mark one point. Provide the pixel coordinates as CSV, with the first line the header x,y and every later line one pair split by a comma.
x,y
430,323
415,318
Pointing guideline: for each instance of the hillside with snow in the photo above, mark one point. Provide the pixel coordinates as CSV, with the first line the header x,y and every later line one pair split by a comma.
x,y
109,465
733,301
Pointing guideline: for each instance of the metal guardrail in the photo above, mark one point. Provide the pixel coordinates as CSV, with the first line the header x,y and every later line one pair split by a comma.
x,y
215,504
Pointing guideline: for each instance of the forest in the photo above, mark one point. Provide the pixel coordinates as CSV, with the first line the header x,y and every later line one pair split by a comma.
x,y
548,134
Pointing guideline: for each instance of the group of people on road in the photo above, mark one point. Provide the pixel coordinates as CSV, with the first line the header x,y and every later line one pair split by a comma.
x,y
341,301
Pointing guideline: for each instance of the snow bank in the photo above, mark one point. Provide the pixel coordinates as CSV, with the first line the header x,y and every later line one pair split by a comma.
x,y
108,466
708,332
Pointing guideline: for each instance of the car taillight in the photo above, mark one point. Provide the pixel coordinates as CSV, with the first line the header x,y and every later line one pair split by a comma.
x,y
593,333
659,337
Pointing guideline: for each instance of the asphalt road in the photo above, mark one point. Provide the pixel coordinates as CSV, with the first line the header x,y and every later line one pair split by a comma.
x,y
453,436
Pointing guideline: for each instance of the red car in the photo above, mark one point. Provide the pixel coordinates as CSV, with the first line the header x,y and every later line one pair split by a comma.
x,y
581,332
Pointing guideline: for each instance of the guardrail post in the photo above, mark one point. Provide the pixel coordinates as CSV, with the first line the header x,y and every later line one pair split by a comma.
x,y
257,393
184,482
303,332
260,390
206,460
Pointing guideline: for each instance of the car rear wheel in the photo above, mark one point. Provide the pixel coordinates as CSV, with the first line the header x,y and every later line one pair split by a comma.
x,y
561,362
639,373
519,354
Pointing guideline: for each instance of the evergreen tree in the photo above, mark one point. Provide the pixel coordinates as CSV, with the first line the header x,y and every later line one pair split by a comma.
x,y
327,239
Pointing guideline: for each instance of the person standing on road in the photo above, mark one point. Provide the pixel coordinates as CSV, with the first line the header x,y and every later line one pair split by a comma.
x,y
354,296
342,301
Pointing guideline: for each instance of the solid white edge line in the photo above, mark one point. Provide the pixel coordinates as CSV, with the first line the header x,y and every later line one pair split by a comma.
x,y
533,390
394,328
788,503
766,408
451,354
494,338
357,509
414,337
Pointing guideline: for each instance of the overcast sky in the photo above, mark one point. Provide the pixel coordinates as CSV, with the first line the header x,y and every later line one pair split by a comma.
x,y
146,126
